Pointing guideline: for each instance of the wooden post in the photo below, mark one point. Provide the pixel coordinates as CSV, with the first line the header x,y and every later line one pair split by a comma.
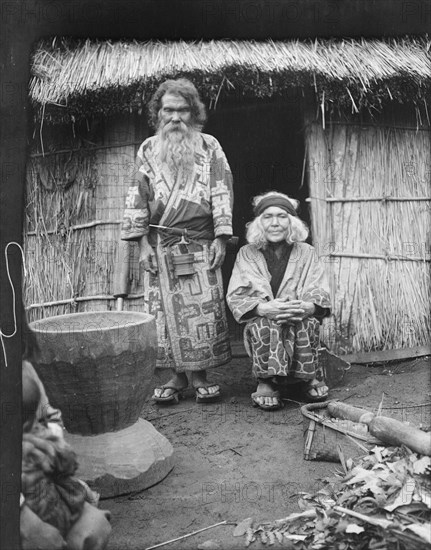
x,y
121,274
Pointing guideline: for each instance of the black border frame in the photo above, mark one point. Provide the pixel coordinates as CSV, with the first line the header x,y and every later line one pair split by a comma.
x,y
24,22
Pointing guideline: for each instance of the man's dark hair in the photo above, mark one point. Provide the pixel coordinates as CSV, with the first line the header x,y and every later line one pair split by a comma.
x,y
185,89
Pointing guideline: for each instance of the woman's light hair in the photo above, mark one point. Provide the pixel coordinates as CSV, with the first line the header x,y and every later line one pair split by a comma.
x,y
256,234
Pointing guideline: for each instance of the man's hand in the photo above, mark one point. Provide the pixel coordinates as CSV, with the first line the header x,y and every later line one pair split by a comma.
x,y
284,312
147,256
217,252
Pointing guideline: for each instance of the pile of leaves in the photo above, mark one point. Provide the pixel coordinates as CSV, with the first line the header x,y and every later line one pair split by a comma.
x,y
380,502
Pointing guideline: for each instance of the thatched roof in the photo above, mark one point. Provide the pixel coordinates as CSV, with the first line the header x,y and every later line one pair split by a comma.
x,y
81,79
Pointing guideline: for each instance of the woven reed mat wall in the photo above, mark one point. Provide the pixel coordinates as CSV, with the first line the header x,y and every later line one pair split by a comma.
x,y
75,197
371,212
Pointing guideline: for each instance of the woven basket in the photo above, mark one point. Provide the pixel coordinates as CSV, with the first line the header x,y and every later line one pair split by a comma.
x,y
329,441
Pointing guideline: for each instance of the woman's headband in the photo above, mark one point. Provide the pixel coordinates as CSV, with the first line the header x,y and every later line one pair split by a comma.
x,y
274,200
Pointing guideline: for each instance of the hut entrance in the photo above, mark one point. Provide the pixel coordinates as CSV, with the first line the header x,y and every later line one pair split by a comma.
x,y
264,144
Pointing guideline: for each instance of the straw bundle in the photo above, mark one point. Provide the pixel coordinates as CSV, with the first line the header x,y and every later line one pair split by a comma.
x,y
72,80
376,247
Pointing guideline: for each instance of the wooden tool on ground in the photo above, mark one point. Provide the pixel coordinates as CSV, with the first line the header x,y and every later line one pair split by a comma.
x,y
394,432
388,430
348,412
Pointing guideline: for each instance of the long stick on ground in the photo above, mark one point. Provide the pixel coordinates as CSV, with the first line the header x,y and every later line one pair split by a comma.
x,y
379,522
185,536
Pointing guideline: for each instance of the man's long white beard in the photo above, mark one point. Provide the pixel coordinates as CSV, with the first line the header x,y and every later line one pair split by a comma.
x,y
177,148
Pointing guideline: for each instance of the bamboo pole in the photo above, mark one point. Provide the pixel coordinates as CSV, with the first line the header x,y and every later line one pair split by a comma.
x,y
375,256
87,225
374,199
84,149
367,199
82,299
368,125
186,536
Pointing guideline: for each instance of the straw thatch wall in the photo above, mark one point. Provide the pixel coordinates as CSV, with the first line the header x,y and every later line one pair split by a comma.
x,y
371,213
74,202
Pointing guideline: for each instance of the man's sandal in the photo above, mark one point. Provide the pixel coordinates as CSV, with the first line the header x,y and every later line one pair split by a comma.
x,y
313,386
173,398
202,397
263,406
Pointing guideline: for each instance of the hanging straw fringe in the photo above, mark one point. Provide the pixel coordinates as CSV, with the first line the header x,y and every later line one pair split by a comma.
x,y
349,71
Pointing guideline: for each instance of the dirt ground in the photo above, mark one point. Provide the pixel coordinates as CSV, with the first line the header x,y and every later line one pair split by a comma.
x,y
233,461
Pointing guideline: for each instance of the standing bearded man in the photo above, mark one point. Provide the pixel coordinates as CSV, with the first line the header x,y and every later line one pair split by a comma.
x,y
184,183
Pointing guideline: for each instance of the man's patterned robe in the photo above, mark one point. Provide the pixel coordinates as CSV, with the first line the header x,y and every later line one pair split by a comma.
x,y
189,310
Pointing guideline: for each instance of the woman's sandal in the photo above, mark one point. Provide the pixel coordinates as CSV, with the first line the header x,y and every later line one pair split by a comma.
x,y
313,386
202,397
173,398
274,394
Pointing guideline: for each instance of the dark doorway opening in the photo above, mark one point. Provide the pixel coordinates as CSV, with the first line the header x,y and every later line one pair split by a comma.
x,y
264,144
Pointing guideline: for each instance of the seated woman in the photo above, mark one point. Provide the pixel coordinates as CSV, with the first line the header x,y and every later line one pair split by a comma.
x,y
279,290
